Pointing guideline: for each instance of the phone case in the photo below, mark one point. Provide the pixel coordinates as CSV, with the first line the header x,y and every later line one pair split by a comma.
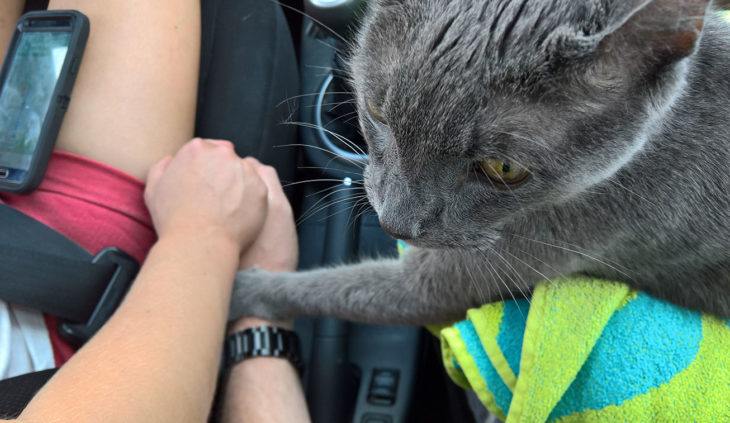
x,y
61,94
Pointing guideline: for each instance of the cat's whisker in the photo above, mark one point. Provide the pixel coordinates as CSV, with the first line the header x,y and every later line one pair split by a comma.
x,y
499,291
341,103
330,46
364,207
286,100
295,10
553,269
329,169
345,115
348,121
309,181
517,275
358,205
320,209
558,272
325,190
326,68
337,212
350,144
495,272
352,162
344,173
314,209
477,286
580,253
336,103
544,277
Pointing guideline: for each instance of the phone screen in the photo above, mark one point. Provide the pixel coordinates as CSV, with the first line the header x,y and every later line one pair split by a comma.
x,y
26,96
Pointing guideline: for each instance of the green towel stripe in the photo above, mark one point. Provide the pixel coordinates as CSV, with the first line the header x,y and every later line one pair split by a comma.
x,y
452,341
486,321
452,349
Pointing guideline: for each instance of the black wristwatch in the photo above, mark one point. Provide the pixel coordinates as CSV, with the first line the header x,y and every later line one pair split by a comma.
x,y
263,341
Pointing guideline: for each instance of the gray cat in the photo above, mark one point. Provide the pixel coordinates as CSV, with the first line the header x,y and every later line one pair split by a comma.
x,y
516,141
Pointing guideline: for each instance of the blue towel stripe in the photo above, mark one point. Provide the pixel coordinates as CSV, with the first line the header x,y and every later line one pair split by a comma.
x,y
502,394
633,355
512,332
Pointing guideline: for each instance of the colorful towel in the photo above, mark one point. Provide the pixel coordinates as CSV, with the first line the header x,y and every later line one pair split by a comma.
x,y
583,350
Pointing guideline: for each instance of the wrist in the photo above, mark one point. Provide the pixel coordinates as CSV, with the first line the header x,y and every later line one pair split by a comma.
x,y
252,322
215,255
206,238
262,342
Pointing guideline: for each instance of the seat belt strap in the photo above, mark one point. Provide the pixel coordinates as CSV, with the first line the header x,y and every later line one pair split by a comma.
x,y
42,269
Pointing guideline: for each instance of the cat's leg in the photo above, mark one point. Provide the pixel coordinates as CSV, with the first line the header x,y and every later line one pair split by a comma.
x,y
427,287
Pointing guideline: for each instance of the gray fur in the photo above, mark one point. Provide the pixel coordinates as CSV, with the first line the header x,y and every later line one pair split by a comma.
x,y
619,108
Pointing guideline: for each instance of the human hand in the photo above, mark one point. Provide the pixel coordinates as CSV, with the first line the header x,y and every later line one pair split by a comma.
x,y
276,248
205,189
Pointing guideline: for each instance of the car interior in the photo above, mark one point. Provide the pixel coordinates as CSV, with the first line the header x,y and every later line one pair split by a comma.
x,y
354,372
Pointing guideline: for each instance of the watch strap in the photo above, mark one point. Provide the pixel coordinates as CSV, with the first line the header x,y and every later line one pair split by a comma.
x,y
263,341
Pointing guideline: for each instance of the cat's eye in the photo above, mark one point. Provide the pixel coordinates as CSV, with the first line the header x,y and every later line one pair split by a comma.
x,y
375,113
504,172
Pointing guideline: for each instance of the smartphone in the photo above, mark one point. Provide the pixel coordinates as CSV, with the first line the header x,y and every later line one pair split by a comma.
x,y
35,89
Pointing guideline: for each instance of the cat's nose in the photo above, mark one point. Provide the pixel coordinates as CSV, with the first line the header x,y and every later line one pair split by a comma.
x,y
397,234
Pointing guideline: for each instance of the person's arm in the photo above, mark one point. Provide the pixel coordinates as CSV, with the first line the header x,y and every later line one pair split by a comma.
x,y
157,358
265,389
10,11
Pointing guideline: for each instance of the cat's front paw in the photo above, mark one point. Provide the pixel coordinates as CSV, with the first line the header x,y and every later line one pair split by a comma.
x,y
254,294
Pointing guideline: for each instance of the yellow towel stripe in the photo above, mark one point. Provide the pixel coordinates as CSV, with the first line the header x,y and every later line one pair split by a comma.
x,y
553,354
487,321
469,376
705,384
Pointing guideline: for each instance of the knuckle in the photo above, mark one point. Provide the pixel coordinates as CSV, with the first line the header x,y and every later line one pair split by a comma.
x,y
271,171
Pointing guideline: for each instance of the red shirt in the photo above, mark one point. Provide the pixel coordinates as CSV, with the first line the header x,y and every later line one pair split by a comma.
x,y
93,204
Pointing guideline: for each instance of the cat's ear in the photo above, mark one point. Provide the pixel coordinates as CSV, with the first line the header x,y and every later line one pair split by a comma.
x,y
654,33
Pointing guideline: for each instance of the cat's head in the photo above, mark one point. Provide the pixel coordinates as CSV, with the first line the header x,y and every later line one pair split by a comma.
x,y
477,111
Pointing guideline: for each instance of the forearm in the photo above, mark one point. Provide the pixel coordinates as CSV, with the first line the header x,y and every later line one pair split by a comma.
x,y
157,357
264,389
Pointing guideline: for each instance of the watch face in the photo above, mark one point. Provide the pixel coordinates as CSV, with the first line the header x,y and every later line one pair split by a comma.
x,y
263,341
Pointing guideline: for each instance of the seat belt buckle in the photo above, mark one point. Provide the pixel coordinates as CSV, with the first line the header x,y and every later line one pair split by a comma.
x,y
126,269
